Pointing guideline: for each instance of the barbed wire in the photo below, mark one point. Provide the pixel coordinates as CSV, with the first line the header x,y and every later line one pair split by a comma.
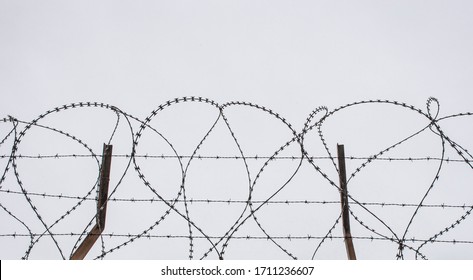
x,y
247,237
256,157
179,207
230,201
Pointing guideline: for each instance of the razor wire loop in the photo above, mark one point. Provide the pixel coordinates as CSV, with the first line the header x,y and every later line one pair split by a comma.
x,y
219,244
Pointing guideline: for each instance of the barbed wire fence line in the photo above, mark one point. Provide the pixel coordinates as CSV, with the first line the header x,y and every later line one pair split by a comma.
x,y
200,180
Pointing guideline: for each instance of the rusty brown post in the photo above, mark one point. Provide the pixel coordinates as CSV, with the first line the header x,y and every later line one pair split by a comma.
x,y
97,230
344,201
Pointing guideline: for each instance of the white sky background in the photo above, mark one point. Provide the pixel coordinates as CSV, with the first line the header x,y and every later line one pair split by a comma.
x,y
291,56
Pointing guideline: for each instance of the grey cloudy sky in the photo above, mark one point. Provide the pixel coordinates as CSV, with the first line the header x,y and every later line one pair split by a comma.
x,y
286,54
291,56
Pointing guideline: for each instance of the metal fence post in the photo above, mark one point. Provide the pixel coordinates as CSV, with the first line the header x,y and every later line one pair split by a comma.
x,y
344,201
97,230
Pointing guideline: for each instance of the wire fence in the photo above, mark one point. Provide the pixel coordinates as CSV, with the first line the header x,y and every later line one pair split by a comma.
x,y
200,180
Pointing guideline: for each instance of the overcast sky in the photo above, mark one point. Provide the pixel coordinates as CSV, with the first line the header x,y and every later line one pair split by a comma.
x,y
291,56
286,54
